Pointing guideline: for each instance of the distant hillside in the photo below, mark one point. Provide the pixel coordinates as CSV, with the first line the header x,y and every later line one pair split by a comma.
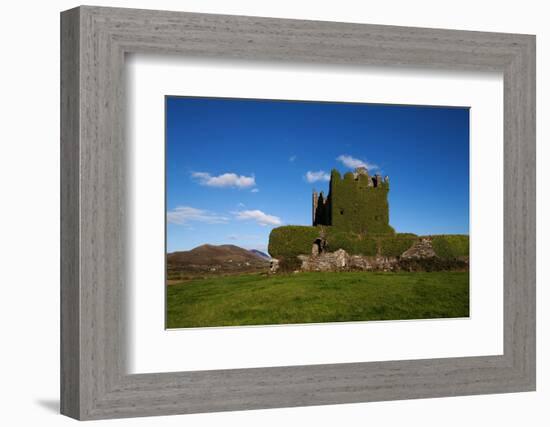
x,y
261,254
214,259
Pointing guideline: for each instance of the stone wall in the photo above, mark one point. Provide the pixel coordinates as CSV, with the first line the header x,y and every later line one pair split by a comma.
x,y
419,257
340,260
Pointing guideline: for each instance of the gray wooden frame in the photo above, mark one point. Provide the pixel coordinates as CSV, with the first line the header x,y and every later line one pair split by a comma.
x,y
94,382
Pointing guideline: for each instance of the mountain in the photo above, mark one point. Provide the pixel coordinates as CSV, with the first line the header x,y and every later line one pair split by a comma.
x,y
215,259
261,254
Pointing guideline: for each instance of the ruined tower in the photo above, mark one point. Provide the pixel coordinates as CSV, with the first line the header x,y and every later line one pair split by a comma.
x,y
356,202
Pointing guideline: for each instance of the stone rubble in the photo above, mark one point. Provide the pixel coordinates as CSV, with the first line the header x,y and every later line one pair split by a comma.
x,y
273,265
340,260
421,249
420,257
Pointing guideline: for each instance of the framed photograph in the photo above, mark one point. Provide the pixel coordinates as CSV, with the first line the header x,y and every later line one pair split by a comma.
x,y
233,258
262,213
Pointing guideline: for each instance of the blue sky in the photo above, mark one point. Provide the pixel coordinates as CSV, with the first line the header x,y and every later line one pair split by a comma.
x,y
236,168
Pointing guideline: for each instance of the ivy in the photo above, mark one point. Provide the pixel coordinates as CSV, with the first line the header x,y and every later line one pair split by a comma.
x,y
451,246
395,246
352,243
292,240
359,206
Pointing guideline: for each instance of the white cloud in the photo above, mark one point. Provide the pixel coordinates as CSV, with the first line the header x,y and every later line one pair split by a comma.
x,y
225,180
258,216
317,176
352,162
254,190
292,158
185,214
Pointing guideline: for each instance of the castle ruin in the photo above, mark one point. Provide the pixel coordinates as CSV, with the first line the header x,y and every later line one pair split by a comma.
x,y
350,231
356,202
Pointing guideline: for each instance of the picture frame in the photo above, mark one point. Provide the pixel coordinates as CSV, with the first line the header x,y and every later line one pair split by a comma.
x,y
94,380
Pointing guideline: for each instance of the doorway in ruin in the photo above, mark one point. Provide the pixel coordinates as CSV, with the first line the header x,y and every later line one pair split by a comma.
x,y
319,246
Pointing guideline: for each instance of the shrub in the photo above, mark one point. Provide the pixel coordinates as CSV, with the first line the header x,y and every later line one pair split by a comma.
x,y
451,246
291,240
395,246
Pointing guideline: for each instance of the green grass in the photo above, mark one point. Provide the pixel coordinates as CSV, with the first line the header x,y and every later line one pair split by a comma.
x,y
257,299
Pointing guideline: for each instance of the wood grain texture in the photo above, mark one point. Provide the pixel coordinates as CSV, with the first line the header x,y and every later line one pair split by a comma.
x,y
70,297
94,382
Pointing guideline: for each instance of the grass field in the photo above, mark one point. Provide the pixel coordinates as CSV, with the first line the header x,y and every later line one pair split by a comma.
x,y
256,299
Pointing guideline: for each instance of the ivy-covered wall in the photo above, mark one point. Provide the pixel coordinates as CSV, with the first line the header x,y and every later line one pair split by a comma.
x,y
358,205
394,246
451,246
287,242
290,241
352,243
